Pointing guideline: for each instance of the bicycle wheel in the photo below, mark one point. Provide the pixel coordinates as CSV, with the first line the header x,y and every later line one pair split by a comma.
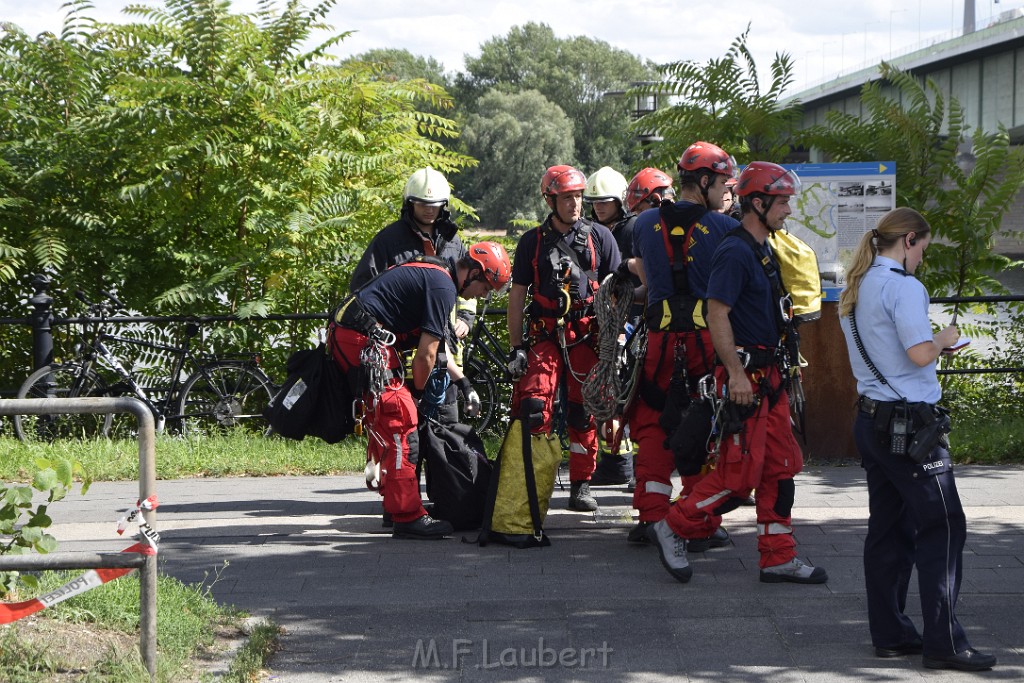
x,y
68,380
222,396
483,382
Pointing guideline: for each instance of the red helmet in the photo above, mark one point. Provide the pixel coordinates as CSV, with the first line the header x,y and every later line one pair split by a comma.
x,y
562,179
493,259
704,155
645,183
767,178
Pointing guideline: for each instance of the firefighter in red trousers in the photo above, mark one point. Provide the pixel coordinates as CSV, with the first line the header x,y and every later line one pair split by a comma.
x,y
674,244
750,319
561,264
408,306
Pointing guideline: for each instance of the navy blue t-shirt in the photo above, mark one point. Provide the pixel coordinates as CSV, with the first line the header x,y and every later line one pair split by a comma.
x,y
410,298
649,245
603,243
738,280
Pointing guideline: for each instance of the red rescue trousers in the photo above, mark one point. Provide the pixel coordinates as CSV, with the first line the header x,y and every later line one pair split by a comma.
x,y
763,456
389,424
654,463
546,367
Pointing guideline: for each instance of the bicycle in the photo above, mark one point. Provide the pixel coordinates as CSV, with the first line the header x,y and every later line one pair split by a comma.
x,y
220,393
484,361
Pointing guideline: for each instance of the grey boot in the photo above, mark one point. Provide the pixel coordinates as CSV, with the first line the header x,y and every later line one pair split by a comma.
x,y
580,499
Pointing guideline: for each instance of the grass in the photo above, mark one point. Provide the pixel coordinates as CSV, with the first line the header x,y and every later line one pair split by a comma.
x,y
238,454
998,441
93,637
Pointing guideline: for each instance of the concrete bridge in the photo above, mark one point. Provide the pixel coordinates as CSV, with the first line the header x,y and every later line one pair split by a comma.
x,y
983,69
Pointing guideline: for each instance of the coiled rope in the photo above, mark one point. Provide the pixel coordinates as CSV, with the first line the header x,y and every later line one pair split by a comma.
x,y
602,389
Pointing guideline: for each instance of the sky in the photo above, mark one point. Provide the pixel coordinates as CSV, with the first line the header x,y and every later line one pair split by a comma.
x,y
824,38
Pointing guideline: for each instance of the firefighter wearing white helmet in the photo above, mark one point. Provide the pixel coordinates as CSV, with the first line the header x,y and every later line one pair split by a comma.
x,y
606,195
427,186
424,228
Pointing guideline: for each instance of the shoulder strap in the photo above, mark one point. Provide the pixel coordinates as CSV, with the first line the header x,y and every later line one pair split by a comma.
x,y
581,242
864,355
771,270
672,220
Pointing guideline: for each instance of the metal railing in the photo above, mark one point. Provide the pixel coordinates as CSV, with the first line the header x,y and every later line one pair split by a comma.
x,y
147,487
41,320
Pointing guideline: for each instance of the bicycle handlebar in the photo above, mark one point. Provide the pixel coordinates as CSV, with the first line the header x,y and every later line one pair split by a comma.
x,y
100,310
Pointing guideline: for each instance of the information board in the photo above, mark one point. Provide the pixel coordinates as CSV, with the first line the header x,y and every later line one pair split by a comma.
x,y
837,204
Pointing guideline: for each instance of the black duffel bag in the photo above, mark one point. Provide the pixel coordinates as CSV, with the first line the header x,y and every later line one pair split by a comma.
x,y
689,441
458,473
315,399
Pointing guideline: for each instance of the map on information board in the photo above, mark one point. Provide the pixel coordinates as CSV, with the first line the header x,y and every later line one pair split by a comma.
x,y
837,204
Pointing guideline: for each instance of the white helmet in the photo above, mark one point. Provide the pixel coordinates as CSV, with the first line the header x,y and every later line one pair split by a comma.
x,y
606,183
428,186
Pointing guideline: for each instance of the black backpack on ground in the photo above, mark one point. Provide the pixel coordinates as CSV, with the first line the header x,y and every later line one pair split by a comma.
x,y
458,473
315,399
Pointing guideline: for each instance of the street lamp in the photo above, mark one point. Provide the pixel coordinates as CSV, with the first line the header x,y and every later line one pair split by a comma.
x,y
866,24
807,68
891,13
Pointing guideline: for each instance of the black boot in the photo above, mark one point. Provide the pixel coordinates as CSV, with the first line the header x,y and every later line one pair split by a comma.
x,y
612,470
580,499
426,527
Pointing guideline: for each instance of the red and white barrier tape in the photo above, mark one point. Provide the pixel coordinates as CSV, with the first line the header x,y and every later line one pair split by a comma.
x,y
13,611
131,515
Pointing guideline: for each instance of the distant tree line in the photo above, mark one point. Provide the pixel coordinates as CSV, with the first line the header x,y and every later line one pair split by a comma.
x,y
203,162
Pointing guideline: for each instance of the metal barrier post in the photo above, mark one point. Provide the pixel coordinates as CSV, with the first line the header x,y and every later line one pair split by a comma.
x,y
42,319
147,487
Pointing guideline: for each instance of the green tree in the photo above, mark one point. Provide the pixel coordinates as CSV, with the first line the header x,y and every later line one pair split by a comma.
x,y
202,161
401,65
914,124
516,136
721,101
576,74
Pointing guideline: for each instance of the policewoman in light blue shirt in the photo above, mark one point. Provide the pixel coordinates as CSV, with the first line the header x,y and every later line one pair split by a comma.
x,y
915,515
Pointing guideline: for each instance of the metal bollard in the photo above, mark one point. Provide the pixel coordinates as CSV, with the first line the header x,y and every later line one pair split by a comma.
x,y
147,487
42,322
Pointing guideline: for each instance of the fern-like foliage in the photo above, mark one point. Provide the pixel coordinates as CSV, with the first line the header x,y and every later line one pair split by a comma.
x,y
725,102
962,194
204,161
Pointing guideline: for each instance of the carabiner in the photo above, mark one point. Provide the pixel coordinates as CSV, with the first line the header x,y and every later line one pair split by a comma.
x,y
706,385
383,336
786,308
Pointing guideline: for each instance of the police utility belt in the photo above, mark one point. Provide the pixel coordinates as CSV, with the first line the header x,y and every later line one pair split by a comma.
x,y
913,429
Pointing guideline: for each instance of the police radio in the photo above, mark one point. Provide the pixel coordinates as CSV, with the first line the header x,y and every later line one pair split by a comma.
x,y
898,430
